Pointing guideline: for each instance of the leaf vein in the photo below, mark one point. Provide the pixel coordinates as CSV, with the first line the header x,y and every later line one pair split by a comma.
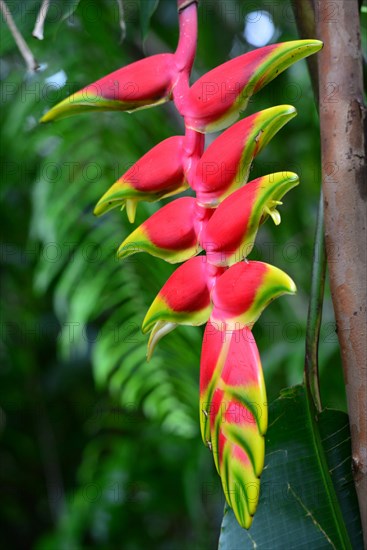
x,y
309,514
339,444
340,463
334,433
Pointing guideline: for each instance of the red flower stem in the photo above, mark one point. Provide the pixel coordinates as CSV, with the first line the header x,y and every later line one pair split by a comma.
x,y
186,47
193,149
194,141
185,52
212,274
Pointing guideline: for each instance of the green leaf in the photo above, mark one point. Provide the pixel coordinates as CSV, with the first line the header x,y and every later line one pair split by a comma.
x,y
147,8
307,493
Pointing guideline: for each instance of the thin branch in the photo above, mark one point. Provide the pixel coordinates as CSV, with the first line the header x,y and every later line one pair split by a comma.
x,y
315,310
27,55
305,18
342,115
40,21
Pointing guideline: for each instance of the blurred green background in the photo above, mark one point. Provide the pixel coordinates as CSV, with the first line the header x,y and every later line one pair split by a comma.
x,y
100,449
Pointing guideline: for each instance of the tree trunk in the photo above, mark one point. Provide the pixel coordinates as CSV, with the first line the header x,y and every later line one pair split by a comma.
x,y
342,116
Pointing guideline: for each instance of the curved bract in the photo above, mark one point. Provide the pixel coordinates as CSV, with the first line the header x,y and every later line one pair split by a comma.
x,y
225,165
217,98
145,83
183,300
245,289
230,233
221,221
168,234
157,174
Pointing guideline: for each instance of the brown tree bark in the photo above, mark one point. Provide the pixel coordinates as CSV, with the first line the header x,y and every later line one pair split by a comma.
x,y
342,119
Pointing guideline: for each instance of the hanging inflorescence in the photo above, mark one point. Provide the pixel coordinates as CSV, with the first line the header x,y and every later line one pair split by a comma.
x,y
219,287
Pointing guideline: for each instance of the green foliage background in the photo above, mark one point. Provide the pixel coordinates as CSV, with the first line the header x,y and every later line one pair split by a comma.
x,y
100,449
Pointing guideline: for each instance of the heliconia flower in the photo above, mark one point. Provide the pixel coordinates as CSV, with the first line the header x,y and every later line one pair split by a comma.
x,y
159,173
225,165
168,234
230,233
145,83
216,99
233,406
222,219
184,300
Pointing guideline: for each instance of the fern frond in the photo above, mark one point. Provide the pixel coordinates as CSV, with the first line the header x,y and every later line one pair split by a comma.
x,y
101,302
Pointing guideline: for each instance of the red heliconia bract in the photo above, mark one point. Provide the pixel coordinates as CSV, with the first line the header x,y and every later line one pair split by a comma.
x,y
229,235
222,220
142,84
183,300
225,165
217,98
169,234
159,173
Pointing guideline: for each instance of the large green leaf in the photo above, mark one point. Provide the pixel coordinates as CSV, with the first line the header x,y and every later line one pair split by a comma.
x,y
307,494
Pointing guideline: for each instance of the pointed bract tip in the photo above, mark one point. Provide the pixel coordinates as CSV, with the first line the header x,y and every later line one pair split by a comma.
x,y
280,281
316,45
80,102
117,195
281,110
309,45
126,249
290,109
292,288
104,206
151,319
